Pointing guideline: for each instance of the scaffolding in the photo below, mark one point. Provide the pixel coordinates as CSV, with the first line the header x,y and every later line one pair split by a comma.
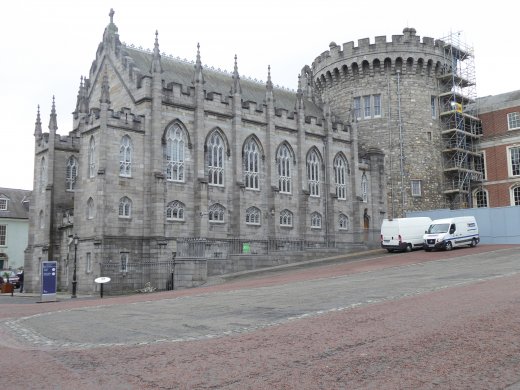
x,y
461,129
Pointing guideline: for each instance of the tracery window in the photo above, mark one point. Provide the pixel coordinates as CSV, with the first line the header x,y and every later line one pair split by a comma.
x,y
340,171
125,157
316,220
92,157
125,207
175,211
343,222
216,213
175,153
216,160
253,216
286,218
313,173
251,162
71,173
284,157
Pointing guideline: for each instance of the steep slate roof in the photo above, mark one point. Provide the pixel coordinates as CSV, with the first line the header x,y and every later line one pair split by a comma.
x,y
182,73
18,204
498,102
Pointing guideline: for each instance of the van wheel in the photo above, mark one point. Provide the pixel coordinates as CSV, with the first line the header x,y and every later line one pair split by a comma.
x,y
473,242
449,246
390,250
408,248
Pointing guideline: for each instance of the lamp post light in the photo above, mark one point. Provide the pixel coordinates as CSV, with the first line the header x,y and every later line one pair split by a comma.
x,y
74,280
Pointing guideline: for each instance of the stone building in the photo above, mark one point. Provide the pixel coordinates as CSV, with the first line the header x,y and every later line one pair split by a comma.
x,y
167,157
414,100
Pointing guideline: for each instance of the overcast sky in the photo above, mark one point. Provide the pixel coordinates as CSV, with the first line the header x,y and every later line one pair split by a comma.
x,y
47,45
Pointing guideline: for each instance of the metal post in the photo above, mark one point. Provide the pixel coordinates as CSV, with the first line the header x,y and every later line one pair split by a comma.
x,y
74,279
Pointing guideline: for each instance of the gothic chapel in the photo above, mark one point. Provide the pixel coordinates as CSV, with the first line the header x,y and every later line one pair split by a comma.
x,y
164,154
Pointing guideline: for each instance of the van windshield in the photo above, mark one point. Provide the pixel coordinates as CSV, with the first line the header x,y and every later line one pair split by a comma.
x,y
440,228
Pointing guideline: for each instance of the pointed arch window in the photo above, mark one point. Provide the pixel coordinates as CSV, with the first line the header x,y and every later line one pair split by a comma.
x,y
125,157
253,216
251,162
71,173
43,174
125,207
92,157
340,173
286,218
343,222
175,211
216,213
284,157
313,173
175,153
316,220
41,220
216,160
90,208
364,187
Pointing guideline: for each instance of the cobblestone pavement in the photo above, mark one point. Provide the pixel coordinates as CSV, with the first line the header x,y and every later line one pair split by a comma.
x,y
441,320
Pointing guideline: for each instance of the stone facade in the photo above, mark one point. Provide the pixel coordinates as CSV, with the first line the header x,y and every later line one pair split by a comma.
x,y
163,150
396,82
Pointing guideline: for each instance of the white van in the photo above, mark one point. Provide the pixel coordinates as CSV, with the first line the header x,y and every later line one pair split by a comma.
x,y
403,234
451,232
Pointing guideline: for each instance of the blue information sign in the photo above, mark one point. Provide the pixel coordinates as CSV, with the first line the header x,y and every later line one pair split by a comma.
x,y
49,278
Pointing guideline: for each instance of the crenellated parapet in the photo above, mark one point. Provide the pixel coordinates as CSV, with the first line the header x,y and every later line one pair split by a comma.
x,y
406,54
123,119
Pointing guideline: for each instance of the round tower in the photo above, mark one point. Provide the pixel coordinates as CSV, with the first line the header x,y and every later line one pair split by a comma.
x,y
389,91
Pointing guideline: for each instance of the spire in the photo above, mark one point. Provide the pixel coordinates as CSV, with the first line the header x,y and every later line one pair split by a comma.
x,y
236,79
269,83
198,77
38,124
269,98
299,94
83,107
105,88
53,123
81,103
156,60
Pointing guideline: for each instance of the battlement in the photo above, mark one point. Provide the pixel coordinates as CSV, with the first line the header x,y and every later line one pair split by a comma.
x,y
123,119
408,41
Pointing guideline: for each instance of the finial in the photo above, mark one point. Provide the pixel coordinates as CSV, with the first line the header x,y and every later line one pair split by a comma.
x,y
198,77
111,14
38,124
236,78
269,82
198,53
156,61
53,123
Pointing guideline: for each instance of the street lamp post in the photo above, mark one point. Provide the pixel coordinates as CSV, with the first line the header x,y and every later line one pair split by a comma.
x,y
74,280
